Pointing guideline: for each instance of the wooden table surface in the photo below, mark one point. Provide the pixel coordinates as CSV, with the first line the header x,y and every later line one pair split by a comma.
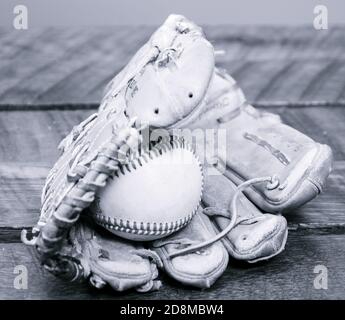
x,y
51,79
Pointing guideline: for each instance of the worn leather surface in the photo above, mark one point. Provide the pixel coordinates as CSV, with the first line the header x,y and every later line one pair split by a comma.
x,y
168,77
201,114
258,144
300,164
200,269
110,260
175,50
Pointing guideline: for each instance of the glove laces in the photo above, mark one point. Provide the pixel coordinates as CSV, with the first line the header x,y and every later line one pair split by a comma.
x,y
233,217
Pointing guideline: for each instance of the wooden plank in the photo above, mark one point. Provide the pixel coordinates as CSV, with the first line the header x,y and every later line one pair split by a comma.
x,y
262,81
323,124
290,80
21,186
40,64
34,136
20,198
277,42
268,280
73,65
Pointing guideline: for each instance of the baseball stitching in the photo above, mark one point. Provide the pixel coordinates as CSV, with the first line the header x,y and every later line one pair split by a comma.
x,y
138,160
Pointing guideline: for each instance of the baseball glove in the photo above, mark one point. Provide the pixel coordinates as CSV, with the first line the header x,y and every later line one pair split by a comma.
x,y
69,243
276,166
171,82
172,94
167,92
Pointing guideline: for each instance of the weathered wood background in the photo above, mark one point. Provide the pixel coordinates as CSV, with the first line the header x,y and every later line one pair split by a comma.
x,y
52,79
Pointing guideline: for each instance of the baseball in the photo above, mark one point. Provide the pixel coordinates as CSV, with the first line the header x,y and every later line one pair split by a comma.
x,y
152,196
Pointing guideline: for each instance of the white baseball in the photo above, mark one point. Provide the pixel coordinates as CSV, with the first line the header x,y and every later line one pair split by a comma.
x,y
154,195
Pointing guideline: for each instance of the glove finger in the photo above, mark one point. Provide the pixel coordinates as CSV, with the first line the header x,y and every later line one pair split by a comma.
x,y
108,259
256,236
297,164
164,88
201,268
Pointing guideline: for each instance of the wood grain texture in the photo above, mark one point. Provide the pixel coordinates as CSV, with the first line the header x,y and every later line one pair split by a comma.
x,y
21,187
73,65
268,280
34,136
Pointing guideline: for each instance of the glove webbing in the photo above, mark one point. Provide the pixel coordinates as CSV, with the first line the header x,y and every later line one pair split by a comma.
x,y
79,198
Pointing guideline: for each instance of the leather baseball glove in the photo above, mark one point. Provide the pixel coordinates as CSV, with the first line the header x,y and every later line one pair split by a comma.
x,y
168,92
170,84
276,166
69,243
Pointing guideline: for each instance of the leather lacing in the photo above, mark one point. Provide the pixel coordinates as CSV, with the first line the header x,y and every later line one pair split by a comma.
x,y
233,217
80,194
